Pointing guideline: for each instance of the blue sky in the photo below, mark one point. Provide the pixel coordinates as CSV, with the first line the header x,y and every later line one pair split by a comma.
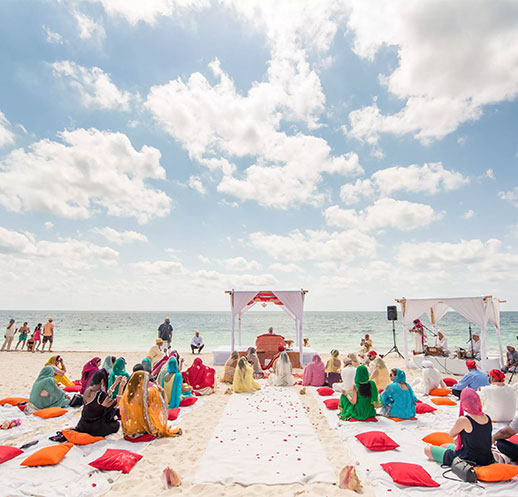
x,y
154,154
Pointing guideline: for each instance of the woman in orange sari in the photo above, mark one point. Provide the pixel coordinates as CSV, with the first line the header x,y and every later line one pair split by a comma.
x,y
143,409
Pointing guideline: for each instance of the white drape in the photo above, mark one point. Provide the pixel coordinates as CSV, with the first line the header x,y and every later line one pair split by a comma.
x,y
239,305
294,306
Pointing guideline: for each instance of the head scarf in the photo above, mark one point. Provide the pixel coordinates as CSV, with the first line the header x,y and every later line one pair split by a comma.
x,y
348,376
315,372
469,403
281,348
400,376
119,369
45,381
146,363
254,359
283,370
88,370
372,353
361,377
199,376
108,363
471,365
367,336
52,361
427,364
138,367
173,387
497,375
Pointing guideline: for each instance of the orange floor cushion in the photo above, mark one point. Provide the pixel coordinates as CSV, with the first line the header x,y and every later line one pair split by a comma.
x,y
496,472
438,438
78,438
397,420
48,456
50,412
440,392
441,401
13,401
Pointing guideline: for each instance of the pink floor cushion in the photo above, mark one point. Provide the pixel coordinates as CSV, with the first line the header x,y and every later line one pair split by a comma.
x,y
377,441
116,460
410,475
143,438
324,391
173,413
7,453
422,408
332,403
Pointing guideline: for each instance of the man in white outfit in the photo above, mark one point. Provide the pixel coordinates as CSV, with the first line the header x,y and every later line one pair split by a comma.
x,y
10,331
431,379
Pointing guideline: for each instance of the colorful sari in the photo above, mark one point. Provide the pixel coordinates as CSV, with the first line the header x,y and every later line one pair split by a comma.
x,y
55,398
380,374
366,401
60,378
256,364
314,372
230,368
201,378
88,371
172,386
119,369
143,409
244,378
398,402
108,363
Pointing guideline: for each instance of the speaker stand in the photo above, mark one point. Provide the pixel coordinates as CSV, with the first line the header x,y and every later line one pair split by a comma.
x,y
394,347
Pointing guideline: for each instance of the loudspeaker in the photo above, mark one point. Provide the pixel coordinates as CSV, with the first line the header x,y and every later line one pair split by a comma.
x,y
391,312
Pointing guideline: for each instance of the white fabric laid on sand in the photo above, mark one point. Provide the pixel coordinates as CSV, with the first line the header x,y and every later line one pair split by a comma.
x,y
265,437
408,435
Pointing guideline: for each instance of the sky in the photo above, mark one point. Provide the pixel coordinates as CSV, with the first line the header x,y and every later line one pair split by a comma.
x,y
155,154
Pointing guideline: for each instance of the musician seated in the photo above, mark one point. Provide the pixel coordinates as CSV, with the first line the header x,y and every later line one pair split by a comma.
x,y
441,344
473,349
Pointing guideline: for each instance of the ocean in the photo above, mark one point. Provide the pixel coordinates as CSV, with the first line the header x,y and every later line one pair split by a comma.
x,y
136,331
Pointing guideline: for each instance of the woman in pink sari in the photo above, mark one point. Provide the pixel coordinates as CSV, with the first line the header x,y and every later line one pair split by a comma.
x,y
201,378
88,371
315,372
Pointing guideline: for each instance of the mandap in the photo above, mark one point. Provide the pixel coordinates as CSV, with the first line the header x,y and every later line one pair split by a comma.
x,y
478,310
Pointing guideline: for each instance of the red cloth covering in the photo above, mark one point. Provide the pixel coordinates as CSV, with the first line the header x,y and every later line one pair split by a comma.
x,y
471,364
199,376
88,371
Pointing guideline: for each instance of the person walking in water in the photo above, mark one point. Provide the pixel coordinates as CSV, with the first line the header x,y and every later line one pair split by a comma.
x,y
48,335
10,331
165,332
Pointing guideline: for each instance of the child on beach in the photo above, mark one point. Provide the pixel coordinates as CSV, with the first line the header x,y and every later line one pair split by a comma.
x,y
37,338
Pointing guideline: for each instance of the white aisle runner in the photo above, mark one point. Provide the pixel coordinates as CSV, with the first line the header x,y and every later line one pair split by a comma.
x,y
265,437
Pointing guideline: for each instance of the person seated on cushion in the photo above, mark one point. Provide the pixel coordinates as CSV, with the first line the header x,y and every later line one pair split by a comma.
x,y
380,374
200,378
143,409
354,359
398,398
119,369
282,376
504,445
431,379
441,342
347,390
146,364
57,364
511,360
365,397
230,368
366,344
498,399
253,359
88,371
333,368
244,378
271,364
472,431
472,379
46,393
348,365
108,363
156,353
315,373
98,416
171,381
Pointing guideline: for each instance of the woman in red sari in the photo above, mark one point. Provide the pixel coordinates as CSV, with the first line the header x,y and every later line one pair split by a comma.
x,y
201,378
89,369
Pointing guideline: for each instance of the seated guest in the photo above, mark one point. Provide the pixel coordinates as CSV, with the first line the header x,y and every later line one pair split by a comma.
x,y
354,359
146,364
99,409
156,353
244,378
441,342
366,344
230,368
57,364
108,363
173,385
200,378
333,368
498,399
271,364
315,372
511,360
197,342
365,397
119,369
473,433
346,370
369,360
472,379
398,398
380,373
473,350
504,445
46,393
345,406
306,342
282,376
143,409
88,371
431,379
253,359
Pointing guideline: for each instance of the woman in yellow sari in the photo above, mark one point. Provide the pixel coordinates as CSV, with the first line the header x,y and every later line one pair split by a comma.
x,y
244,378
143,409
60,370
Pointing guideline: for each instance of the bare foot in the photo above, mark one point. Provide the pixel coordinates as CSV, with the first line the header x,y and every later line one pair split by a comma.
x,y
228,391
348,479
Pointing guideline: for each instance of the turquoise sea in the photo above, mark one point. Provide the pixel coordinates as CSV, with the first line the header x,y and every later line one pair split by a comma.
x,y
136,331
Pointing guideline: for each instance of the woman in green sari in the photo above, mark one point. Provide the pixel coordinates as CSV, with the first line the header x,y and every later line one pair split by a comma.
x,y
364,398
119,369
46,393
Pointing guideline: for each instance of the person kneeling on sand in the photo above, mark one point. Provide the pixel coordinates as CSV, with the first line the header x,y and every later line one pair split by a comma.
x,y
155,353
282,376
430,380
244,378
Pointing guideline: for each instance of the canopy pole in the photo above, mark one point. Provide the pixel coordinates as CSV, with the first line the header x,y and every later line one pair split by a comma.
x,y
233,319
301,352
483,349
296,332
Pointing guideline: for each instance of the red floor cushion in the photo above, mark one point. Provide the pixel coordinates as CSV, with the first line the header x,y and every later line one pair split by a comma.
x,y
440,392
324,391
13,401
377,440
116,460
48,456
7,453
188,401
423,408
78,438
410,475
513,439
450,381
332,403
72,388
438,438
496,472
441,401
143,438
368,420
173,413
50,412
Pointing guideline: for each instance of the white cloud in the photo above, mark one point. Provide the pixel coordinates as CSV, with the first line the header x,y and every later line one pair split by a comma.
x,y
511,196
461,140
315,245
52,37
441,47
490,174
430,179
204,259
48,225
6,135
286,268
384,213
97,169
94,86
468,214
241,264
88,28
196,184
68,253
120,237
514,230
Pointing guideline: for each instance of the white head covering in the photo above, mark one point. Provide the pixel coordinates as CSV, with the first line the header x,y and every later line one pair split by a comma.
x,y
427,364
283,369
348,375
510,345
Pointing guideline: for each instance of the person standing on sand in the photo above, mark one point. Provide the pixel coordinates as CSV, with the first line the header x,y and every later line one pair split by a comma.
x,y
10,331
165,332
23,331
48,335
37,338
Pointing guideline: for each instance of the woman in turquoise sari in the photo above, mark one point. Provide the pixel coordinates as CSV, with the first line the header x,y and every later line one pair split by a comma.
x,y
46,393
119,369
172,383
108,363
398,398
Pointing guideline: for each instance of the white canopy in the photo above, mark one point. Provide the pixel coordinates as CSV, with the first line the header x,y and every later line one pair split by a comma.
x,y
292,302
478,310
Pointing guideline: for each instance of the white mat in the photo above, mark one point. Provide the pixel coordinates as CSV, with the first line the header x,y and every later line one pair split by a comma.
x,y
265,437
408,435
